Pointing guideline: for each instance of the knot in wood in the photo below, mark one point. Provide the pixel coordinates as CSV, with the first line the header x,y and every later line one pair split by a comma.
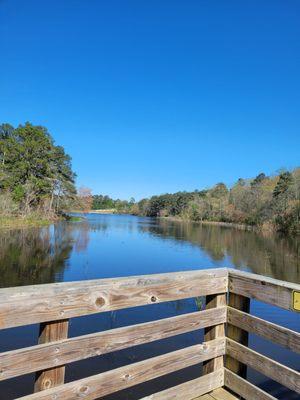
x,y
100,301
84,390
47,383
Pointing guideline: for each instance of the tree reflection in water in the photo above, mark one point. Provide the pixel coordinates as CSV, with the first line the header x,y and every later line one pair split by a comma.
x,y
265,254
33,256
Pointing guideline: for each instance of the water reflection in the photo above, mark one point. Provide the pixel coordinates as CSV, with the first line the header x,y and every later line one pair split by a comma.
x,y
110,245
270,255
120,245
33,256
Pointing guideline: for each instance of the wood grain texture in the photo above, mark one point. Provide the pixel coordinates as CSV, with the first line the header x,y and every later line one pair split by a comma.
x,y
267,290
270,368
121,378
275,333
49,332
191,389
214,332
40,303
237,334
222,394
217,394
244,388
60,352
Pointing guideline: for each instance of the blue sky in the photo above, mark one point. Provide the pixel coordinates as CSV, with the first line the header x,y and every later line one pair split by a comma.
x,y
156,96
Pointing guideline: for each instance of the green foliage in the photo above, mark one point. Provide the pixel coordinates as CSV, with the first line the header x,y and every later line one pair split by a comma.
x,y
104,202
101,202
284,183
18,193
33,169
263,201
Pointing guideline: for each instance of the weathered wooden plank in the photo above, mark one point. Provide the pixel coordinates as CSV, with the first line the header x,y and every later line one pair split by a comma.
x,y
277,334
49,332
237,334
217,394
267,290
121,378
272,369
35,358
244,388
191,389
222,394
214,332
40,303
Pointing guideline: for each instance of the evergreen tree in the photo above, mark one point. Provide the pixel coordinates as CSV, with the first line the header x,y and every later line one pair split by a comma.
x,y
32,168
283,184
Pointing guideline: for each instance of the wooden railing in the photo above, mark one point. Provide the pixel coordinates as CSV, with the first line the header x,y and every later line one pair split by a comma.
x,y
226,322
242,287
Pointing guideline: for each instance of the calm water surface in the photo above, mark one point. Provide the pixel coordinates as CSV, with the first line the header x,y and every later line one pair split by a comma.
x,y
104,246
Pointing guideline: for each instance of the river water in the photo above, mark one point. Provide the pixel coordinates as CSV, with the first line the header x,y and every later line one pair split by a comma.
x,y
102,246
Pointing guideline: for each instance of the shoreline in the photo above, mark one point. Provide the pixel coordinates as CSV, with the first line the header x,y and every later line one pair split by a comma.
x,y
233,225
105,211
15,222
26,222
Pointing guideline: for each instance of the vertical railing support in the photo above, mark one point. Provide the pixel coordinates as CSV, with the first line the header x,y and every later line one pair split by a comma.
x,y
214,332
49,332
239,335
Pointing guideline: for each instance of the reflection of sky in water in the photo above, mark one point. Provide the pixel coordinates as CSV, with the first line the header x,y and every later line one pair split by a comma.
x,y
125,245
110,246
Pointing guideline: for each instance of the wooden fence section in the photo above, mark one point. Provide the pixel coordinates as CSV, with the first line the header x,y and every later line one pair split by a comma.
x,y
226,320
245,286
276,333
121,378
52,302
60,352
262,288
244,388
191,389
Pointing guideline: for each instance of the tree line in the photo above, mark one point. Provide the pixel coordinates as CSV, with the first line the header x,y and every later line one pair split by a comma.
x,y
36,175
36,178
267,202
104,202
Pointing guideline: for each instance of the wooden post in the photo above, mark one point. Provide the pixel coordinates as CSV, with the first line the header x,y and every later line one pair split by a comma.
x,y
49,332
239,335
214,332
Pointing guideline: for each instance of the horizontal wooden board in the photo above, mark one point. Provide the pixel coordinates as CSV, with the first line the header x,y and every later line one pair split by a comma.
x,y
191,389
121,378
55,353
267,290
244,388
40,303
277,334
222,394
270,368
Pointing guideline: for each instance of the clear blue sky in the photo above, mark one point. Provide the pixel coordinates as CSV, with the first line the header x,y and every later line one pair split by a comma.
x,y
156,96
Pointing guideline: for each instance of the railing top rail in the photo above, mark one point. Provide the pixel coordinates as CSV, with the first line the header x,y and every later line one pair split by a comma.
x,y
51,302
262,278
268,290
149,278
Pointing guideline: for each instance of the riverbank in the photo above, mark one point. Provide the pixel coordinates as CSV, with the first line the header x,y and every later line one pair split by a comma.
x,y
23,222
266,228
33,221
106,211
243,227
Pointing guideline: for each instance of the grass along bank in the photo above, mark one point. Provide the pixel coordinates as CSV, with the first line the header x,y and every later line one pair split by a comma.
x,y
14,222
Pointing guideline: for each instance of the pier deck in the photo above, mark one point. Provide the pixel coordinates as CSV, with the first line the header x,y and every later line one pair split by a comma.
x,y
218,394
225,353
